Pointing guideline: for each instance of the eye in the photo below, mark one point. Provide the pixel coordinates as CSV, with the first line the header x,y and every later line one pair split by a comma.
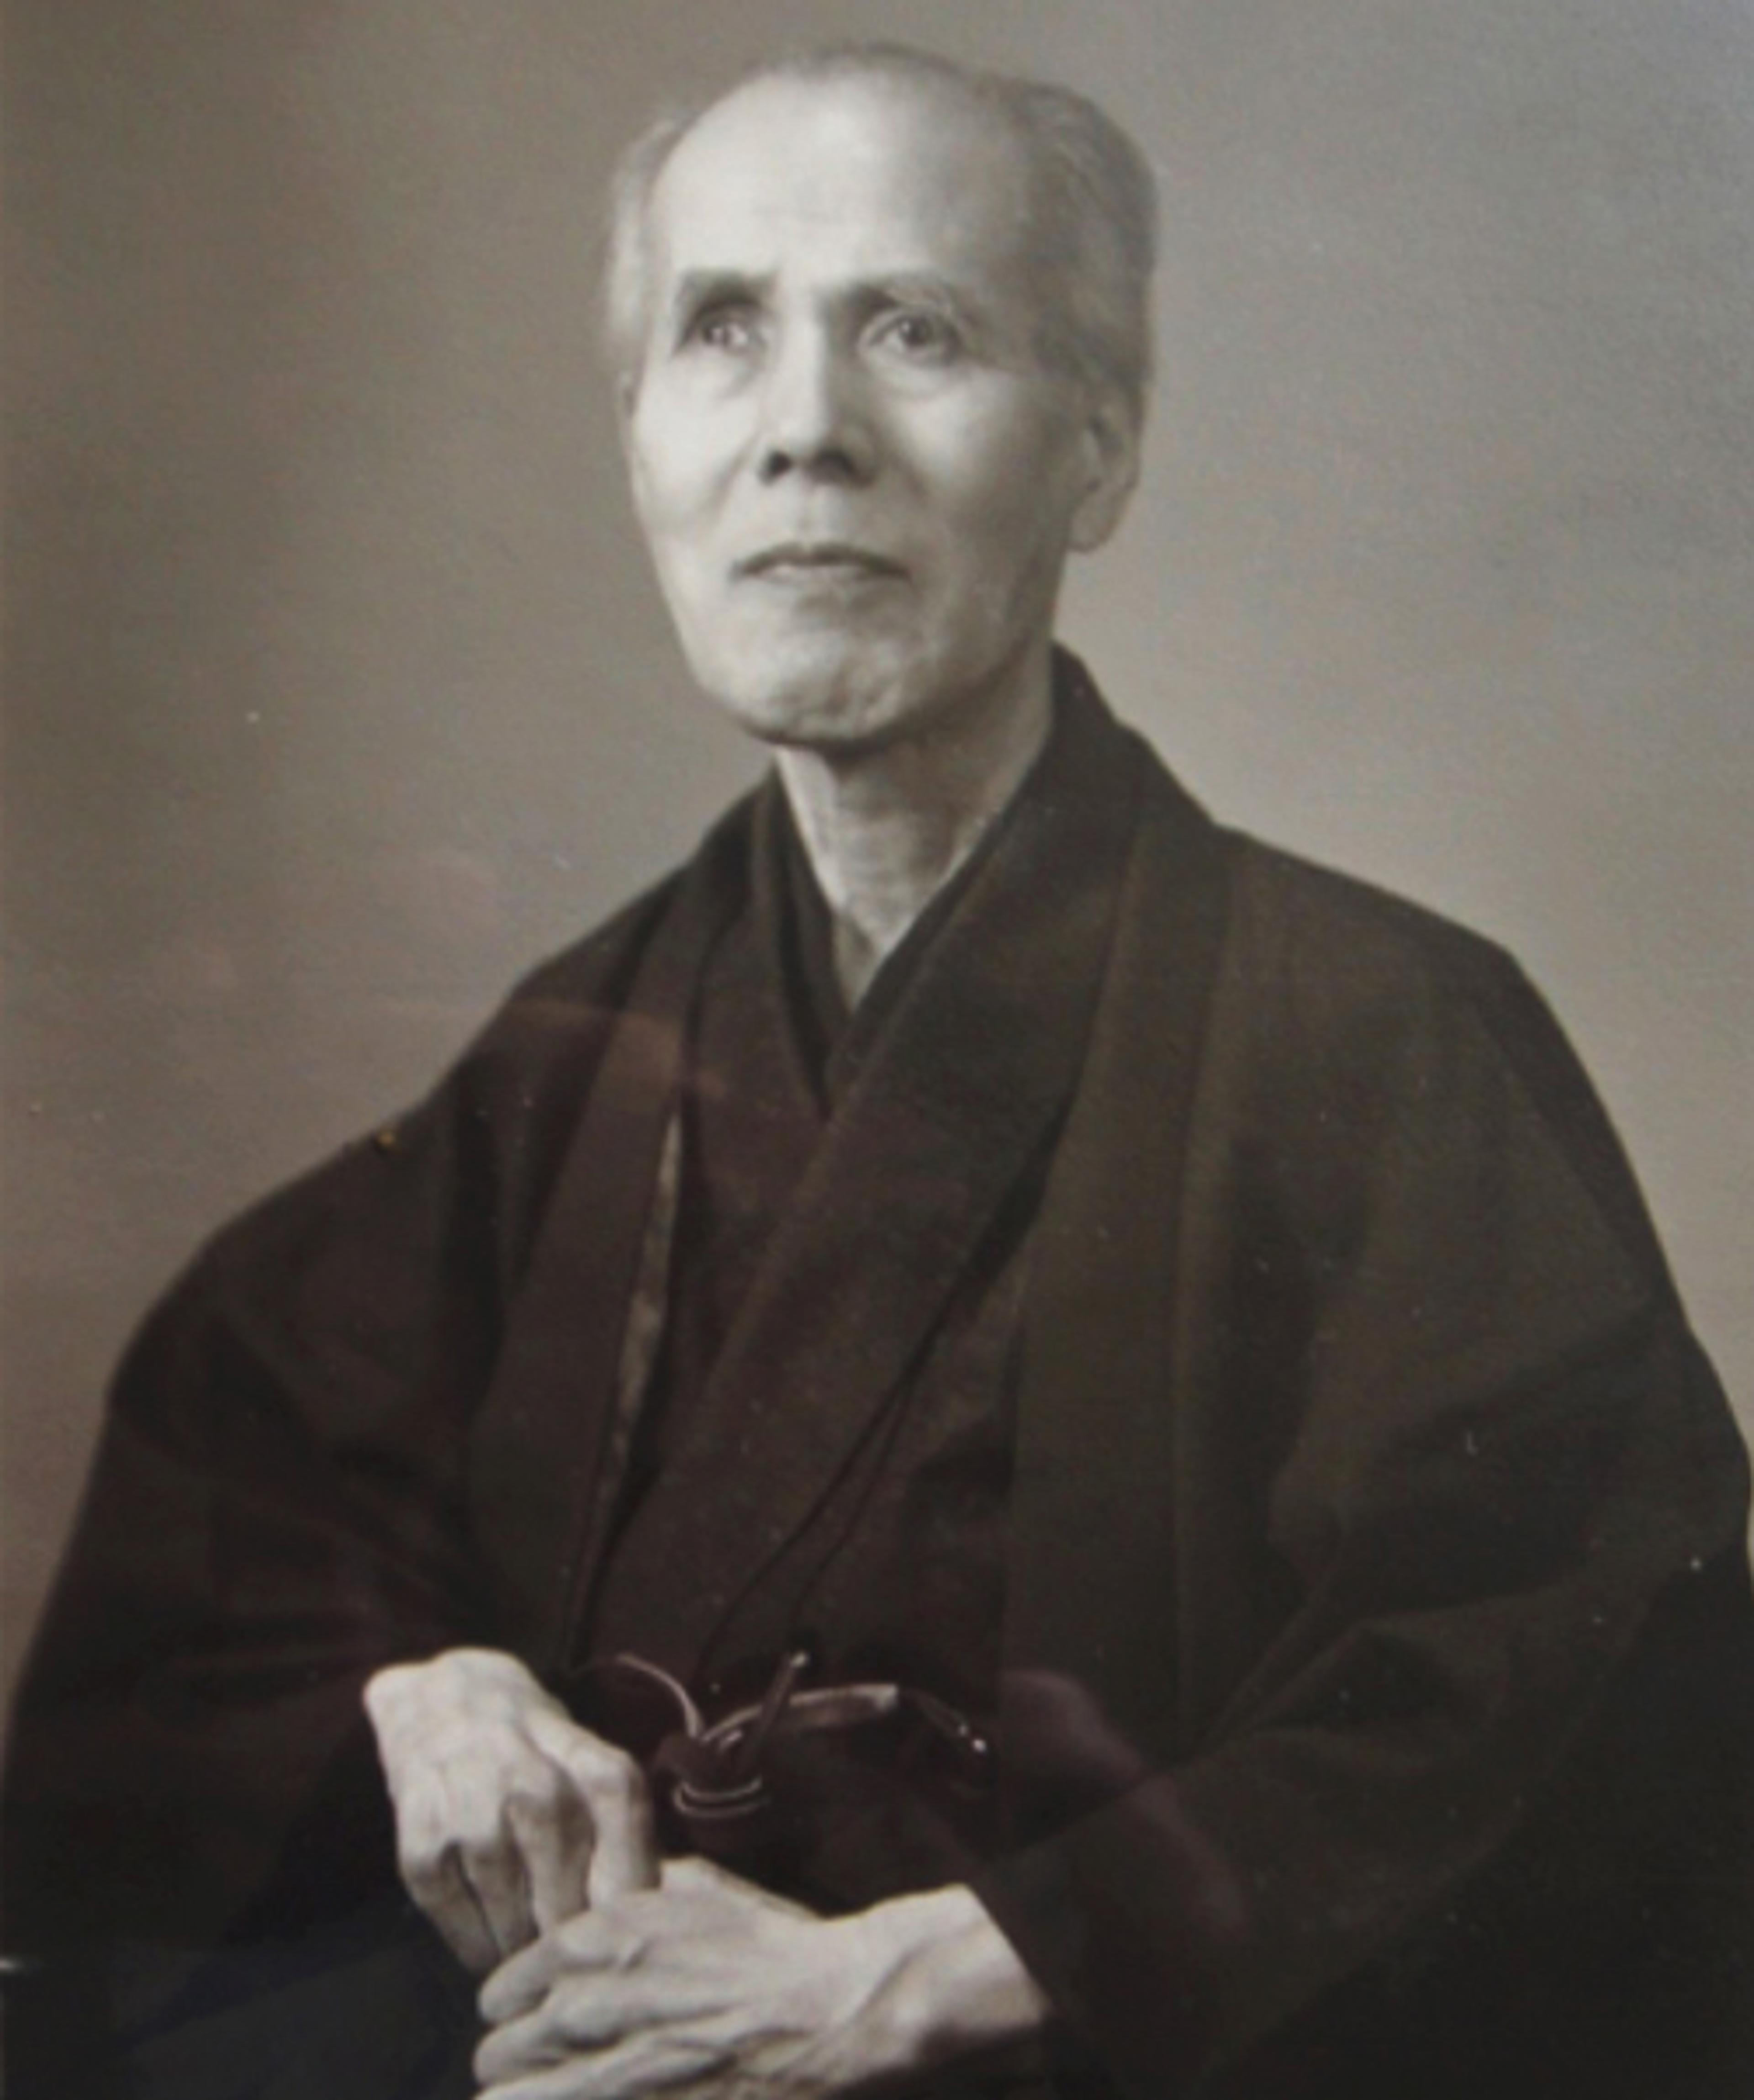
x,y
920,335
729,328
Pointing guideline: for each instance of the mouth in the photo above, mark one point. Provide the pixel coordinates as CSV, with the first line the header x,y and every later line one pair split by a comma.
x,y
827,560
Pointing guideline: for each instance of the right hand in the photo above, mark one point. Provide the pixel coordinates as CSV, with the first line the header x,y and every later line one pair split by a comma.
x,y
511,1818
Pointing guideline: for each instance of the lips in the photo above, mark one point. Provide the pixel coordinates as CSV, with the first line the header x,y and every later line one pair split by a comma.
x,y
828,559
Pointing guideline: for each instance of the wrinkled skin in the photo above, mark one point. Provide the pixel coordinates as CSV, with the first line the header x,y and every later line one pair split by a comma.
x,y
709,1986
511,1818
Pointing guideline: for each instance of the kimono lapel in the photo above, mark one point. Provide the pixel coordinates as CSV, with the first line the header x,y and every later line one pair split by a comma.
x,y
970,1075
1092,1583
541,1451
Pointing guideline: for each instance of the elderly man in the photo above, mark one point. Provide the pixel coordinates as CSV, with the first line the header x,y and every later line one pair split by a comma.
x,y
1001,1442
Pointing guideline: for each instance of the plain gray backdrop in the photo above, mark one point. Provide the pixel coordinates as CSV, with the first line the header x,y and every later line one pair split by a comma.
x,y
338,692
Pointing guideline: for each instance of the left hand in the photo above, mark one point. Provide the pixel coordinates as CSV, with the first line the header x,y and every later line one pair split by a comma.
x,y
708,1985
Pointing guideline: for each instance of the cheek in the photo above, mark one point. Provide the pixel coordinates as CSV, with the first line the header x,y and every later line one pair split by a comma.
x,y
674,467
1012,543
1008,490
662,498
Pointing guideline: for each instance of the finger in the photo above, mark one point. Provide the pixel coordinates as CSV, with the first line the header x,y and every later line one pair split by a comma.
x,y
520,1984
579,2078
693,2068
602,2048
606,2078
584,1943
494,1866
624,1859
579,2016
438,1886
624,1851
522,2046
553,1834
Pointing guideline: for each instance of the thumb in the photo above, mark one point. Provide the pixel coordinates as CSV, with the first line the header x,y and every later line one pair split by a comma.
x,y
624,1848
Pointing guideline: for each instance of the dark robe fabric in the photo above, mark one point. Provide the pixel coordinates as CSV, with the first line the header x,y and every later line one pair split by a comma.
x,y
1213,1337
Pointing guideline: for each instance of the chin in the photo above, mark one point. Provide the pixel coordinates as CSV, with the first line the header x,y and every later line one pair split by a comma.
x,y
844,709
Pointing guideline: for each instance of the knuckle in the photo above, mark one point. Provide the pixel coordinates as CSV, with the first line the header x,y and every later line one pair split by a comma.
x,y
421,1858
480,1842
537,1796
577,2017
582,1937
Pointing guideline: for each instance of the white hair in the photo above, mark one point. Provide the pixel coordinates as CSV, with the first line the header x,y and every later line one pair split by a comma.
x,y
1093,206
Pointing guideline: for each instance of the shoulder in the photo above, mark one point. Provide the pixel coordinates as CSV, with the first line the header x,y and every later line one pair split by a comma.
x,y
1330,1003
1310,947
1319,963
1358,1019
465,1170
1321,932
558,1009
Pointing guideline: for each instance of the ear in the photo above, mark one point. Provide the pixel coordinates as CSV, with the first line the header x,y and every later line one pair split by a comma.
x,y
633,465
627,381
1110,443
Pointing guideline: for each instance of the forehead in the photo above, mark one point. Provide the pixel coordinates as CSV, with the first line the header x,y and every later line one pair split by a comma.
x,y
843,179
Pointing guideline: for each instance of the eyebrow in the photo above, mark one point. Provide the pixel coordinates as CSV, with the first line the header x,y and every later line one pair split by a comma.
x,y
938,294
695,288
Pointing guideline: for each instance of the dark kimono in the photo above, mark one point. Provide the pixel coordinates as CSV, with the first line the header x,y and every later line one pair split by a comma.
x,y
1209,1337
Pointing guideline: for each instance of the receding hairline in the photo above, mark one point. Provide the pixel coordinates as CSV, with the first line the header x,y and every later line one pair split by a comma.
x,y
978,120
901,68
961,113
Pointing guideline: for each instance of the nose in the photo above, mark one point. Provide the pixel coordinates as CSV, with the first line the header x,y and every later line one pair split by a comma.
x,y
815,423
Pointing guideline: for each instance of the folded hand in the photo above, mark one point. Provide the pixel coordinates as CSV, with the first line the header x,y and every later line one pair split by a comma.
x,y
708,1985
511,1818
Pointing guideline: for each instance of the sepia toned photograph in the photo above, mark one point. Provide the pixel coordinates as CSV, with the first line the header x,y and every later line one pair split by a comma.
x,y
879,1051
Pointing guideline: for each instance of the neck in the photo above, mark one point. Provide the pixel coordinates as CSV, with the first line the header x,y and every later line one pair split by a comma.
x,y
885,829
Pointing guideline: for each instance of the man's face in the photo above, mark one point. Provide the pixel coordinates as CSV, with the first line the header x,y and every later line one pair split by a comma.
x,y
857,480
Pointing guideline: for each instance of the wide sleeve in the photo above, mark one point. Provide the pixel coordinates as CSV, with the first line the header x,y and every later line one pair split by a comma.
x,y
269,1517
1456,1513
277,1508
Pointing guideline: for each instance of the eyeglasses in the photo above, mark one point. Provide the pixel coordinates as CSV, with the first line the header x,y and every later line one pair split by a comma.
x,y
718,1775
